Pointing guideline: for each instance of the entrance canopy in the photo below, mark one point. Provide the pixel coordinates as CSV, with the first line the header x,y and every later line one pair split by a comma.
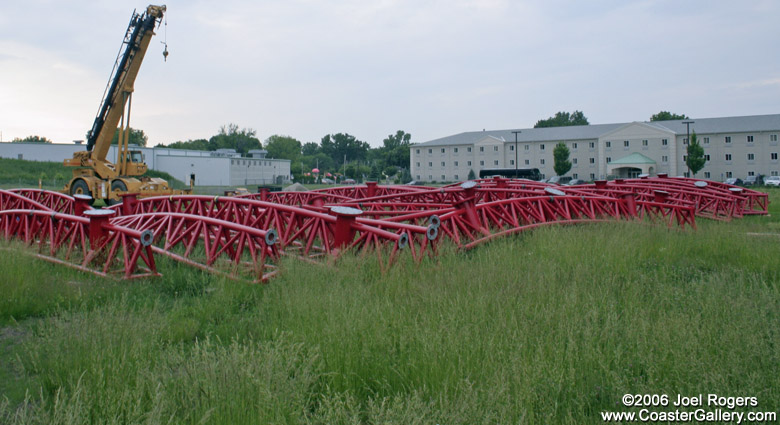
x,y
632,166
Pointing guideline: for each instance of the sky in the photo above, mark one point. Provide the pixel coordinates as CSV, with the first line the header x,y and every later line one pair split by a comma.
x,y
432,68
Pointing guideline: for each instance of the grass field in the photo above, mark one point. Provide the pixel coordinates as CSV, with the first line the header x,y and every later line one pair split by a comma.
x,y
552,326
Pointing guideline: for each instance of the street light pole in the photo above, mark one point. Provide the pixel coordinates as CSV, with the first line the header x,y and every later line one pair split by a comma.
x,y
688,138
516,157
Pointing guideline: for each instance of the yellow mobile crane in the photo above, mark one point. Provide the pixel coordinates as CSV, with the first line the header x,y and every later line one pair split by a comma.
x,y
95,175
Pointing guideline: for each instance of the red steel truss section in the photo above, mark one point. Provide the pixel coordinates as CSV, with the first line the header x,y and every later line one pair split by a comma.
x,y
207,243
88,244
306,232
55,201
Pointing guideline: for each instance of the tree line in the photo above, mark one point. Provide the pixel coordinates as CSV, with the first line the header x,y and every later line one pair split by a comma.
x,y
342,155
336,156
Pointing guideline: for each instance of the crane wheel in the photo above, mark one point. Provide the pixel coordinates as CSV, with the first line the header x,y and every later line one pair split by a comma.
x,y
116,185
80,187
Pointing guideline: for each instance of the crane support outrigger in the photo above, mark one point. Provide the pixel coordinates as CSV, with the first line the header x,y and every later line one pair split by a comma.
x,y
94,174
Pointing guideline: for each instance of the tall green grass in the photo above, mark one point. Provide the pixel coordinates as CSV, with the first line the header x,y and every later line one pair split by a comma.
x,y
551,326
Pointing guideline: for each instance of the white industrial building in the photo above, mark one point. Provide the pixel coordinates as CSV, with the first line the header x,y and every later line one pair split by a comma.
x,y
733,146
224,167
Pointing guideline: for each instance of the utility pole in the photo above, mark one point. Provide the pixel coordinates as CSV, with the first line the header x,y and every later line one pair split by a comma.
x,y
516,156
688,132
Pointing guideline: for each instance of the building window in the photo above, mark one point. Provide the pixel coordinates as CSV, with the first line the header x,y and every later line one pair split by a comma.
x,y
773,137
751,157
664,158
706,174
685,158
430,164
541,146
592,145
574,145
609,144
751,173
625,143
773,156
456,164
609,159
418,164
482,149
430,151
455,150
706,157
418,177
574,161
592,176
541,161
685,140
527,147
495,162
511,147
481,163
495,148
773,173
664,142
728,174
443,177
442,150
728,157
707,142
430,177
575,176
750,139
592,160
468,149
527,162
456,177
468,163
442,164
417,151
728,139
511,162
644,142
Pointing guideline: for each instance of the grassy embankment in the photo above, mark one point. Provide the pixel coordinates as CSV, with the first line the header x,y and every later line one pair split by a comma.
x,y
552,326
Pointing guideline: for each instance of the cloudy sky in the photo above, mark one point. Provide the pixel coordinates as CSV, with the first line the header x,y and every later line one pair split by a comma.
x,y
307,68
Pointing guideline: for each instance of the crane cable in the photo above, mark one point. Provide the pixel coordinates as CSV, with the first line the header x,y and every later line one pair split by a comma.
x,y
165,42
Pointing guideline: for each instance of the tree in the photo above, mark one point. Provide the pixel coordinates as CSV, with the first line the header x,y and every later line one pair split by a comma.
x,y
395,149
135,137
562,119
695,159
310,148
561,163
667,116
198,145
472,176
283,147
341,144
230,137
32,139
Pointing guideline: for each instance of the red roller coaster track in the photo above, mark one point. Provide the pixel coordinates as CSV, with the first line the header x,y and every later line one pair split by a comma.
x,y
243,237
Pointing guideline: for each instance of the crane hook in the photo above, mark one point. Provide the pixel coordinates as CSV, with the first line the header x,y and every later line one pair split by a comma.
x,y
165,53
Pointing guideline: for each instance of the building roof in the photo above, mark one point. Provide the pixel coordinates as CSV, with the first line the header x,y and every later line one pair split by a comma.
x,y
742,124
634,158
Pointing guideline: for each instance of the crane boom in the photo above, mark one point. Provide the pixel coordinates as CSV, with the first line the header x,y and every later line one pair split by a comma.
x,y
139,34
